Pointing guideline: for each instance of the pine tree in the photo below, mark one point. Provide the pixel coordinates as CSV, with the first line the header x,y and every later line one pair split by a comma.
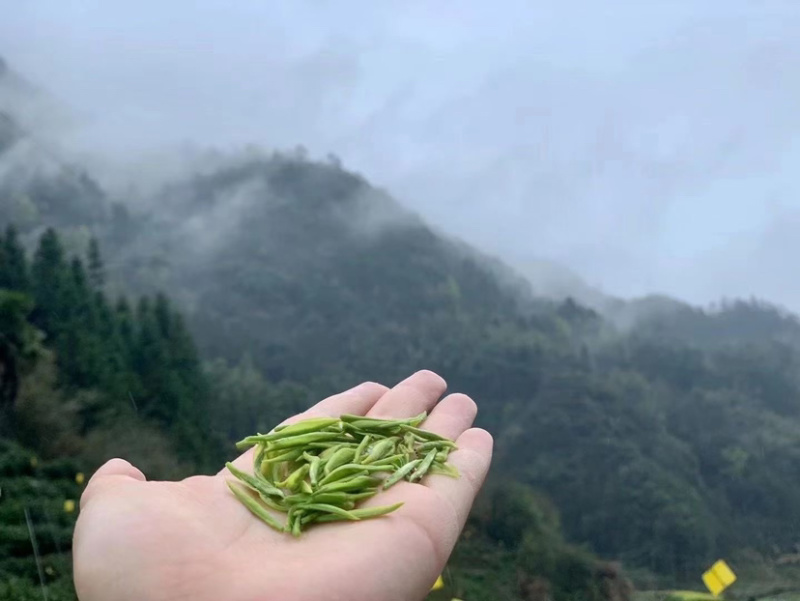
x,y
143,309
97,270
151,363
49,258
83,348
50,280
191,393
126,385
163,315
4,270
182,347
124,318
80,281
16,339
106,320
83,298
68,328
13,263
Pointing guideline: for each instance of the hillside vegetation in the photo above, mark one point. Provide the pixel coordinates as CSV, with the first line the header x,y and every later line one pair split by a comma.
x,y
271,280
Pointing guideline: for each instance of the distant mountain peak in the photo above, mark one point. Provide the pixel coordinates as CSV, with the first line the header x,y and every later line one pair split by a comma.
x,y
32,107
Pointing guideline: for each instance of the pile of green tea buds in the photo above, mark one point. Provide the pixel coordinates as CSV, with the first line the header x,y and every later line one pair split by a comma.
x,y
318,470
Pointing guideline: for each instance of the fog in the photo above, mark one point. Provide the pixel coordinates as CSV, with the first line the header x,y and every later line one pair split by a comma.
x,y
649,147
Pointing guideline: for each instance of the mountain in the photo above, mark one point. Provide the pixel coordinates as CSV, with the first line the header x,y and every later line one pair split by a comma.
x,y
730,321
553,280
656,433
82,381
40,186
302,265
31,106
317,278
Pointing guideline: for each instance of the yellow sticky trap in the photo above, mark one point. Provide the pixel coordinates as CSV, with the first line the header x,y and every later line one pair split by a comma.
x,y
69,506
719,577
438,584
79,478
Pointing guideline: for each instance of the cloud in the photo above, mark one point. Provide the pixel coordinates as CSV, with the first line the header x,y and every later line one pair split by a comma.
x,y
638,144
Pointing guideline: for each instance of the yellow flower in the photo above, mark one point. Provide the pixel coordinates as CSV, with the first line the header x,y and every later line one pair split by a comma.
x,y
438,584
69,506
79,477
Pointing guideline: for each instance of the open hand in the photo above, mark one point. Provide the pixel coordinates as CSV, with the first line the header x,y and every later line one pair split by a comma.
x,y
173,541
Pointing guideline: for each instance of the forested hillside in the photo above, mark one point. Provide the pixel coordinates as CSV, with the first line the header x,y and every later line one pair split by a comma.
x,y
270,281
83,379
651,442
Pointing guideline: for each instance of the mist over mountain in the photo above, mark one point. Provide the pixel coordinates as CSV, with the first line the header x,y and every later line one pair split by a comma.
x,y
568,133
296,277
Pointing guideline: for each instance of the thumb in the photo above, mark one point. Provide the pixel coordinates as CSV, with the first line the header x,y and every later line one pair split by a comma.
x,y
111,472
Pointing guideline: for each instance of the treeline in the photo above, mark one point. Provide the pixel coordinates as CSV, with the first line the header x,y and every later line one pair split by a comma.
x,y
82,380
122,358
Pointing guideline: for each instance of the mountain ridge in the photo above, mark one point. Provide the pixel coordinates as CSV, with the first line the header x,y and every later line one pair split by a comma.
x,y
302,276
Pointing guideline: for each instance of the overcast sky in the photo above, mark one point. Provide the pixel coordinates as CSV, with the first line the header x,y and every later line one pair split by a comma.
x,y
650,146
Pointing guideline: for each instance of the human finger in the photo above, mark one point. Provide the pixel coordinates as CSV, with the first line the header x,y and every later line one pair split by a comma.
x,y
452,416
417,393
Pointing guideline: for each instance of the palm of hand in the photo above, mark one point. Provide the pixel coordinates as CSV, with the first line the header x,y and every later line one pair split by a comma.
x,y
138,540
